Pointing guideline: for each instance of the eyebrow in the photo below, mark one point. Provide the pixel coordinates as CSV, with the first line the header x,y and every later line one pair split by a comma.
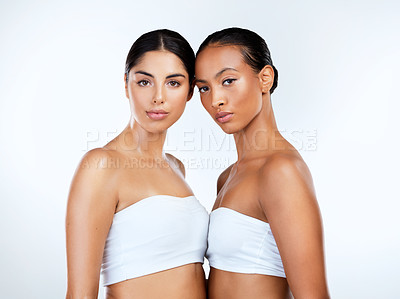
x,y
175,75
144,73
218,74
169,76
224,70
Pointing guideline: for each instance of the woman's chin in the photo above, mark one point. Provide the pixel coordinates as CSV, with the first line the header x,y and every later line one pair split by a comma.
x,y
228,129
157,127
158,130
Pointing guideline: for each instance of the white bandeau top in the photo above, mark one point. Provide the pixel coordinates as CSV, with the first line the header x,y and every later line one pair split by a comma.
x,y
157,233
242,244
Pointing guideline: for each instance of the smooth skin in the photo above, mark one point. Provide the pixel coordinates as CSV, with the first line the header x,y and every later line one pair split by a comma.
x,y
269,181
129,168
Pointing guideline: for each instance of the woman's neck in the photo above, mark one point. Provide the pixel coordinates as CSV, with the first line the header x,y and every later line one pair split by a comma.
x,y
261,136
139,141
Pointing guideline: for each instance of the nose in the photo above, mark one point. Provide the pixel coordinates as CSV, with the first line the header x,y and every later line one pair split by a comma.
x,y
217,100
158,96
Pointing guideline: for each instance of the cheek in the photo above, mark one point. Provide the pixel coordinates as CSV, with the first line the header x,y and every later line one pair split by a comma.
x,y
177,95
140,95
206,103
177,100
249,96
203,101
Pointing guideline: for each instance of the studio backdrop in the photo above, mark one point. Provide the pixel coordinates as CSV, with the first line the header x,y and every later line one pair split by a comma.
x,y
62,94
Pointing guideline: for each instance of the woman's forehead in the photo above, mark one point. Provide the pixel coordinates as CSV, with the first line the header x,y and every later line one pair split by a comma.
x,y
214,58
159,61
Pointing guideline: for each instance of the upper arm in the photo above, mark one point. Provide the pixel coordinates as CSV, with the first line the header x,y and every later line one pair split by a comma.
x,y
91,205
288,199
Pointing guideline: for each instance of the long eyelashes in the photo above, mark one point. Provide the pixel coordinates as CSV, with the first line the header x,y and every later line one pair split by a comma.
x,y
228,81
203,89
174,83
145,83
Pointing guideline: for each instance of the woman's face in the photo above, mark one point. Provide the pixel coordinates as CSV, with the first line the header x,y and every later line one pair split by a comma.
x,y
230,90
158,89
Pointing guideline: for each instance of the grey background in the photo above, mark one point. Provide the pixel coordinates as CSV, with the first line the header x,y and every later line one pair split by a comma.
x,y
61,93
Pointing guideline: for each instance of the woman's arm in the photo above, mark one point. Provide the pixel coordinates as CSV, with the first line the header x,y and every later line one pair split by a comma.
x,y
90,209
288,199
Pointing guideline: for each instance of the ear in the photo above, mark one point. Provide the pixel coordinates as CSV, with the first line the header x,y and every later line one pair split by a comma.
x,y
126,86
190,94
266,76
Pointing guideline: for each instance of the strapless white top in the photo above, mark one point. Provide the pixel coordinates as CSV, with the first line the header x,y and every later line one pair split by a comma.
x,y
242,244
157,233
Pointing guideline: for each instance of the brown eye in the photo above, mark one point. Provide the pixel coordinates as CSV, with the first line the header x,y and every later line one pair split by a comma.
x,y
143,83
174,83
203,89
228,82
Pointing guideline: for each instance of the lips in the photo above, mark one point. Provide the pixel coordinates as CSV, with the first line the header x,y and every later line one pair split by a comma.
x,y
157,114
223,117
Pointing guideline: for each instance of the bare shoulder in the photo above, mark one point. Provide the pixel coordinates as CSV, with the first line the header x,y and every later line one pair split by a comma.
x,y
98,161
177,163
96,157
288,165
285,176
223,177
95,169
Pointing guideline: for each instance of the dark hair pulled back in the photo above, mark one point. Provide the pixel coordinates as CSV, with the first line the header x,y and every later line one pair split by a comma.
x,y
161,40
253,47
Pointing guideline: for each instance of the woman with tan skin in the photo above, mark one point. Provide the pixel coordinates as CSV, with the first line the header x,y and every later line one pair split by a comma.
x,y
130,213
265,235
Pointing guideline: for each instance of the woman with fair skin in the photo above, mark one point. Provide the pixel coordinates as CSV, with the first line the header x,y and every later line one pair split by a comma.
x,y
265,235
130,214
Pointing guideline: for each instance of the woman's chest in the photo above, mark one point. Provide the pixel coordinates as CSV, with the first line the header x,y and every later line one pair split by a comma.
x,y
241,193
136,184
